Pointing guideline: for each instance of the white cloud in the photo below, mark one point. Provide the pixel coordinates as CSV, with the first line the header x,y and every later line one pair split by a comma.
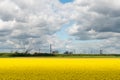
x,y
21,20
39,20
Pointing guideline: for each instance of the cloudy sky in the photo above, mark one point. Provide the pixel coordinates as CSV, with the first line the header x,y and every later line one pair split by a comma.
x,y
82,25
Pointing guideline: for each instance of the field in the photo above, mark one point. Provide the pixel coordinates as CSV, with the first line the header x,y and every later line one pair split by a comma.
x,y
59,68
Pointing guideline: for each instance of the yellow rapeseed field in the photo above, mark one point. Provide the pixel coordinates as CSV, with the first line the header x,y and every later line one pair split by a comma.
x,y
59,69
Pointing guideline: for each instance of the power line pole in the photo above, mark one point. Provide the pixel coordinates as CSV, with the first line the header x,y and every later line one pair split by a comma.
x,y
50,48
101,51
74,51
39,50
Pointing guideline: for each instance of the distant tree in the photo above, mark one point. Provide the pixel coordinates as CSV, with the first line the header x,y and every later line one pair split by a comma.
x,y
55,52
70,52
67,52
27,51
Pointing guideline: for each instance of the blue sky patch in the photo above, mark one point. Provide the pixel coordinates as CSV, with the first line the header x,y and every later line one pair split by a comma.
x,y
66,1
